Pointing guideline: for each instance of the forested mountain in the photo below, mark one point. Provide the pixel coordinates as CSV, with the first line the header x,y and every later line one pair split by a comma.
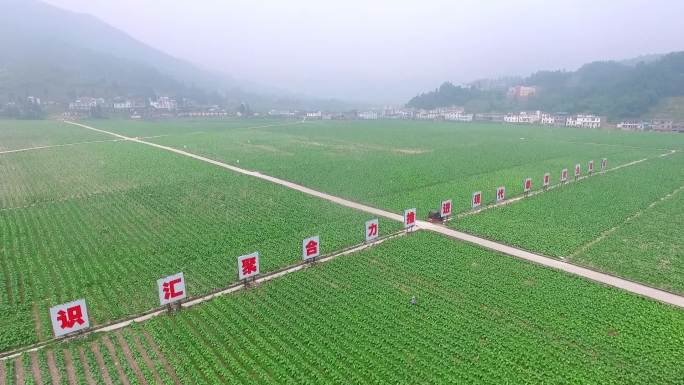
x,y
614,89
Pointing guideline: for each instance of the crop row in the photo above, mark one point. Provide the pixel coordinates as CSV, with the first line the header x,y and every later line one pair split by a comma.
x,y
394,165
563,222
121,357
179,215
478,318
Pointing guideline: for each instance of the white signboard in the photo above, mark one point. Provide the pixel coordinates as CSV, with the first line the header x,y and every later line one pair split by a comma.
x,y
372,229
445,208
311,247
564,175
604,164
590,166
547,179
409,218
248,265
527,185
171,289
69,317
578,170
477,199
500,194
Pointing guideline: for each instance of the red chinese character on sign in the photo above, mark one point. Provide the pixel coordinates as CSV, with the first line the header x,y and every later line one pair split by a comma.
x,y
528,184
249,266
373,229
477,199
446,208
170,289
410,218
72,316
546,179
311,248
500,193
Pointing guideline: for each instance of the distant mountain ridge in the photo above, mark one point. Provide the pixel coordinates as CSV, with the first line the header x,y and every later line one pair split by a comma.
x,y
59,55
627,89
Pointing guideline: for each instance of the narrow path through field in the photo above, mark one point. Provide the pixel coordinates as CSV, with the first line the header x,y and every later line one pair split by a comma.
x,y
69,366
55,377
129,358
57,146
19,371
86,366
100,363
160,356
606,279
35,368
146,358
634,216
3,381
115,360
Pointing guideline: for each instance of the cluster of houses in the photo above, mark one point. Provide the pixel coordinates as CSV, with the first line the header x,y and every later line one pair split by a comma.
x,y
560,120
138,108
651,125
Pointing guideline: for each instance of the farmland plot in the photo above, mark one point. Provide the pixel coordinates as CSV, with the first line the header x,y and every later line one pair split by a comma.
x,y
105,221
396,164
649,248
565,221
20,134
479,318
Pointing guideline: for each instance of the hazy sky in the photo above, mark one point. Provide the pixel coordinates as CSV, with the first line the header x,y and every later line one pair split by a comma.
x,y
389,50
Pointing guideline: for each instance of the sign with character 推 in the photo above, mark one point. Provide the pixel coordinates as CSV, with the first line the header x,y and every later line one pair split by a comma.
x,y
311,247
409,218
248,265
445,209
69,317
171,289
372,229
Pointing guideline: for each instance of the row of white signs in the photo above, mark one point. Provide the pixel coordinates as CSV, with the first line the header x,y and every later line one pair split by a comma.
x,y
73,316
476,201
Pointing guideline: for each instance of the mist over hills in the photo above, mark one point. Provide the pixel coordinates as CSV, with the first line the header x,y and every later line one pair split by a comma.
x,y
626,89
59,55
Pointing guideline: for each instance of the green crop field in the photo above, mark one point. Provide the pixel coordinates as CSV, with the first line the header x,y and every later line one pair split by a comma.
x,y
105,220
566,221
21,134
479,318
648,248
401,164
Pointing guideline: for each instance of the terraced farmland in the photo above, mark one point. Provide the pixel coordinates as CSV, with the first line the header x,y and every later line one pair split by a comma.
x,y
479,318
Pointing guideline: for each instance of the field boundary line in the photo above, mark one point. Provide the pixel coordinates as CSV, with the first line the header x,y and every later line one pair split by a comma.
x,y
192,301
57,146
613,229
607,279
557,264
